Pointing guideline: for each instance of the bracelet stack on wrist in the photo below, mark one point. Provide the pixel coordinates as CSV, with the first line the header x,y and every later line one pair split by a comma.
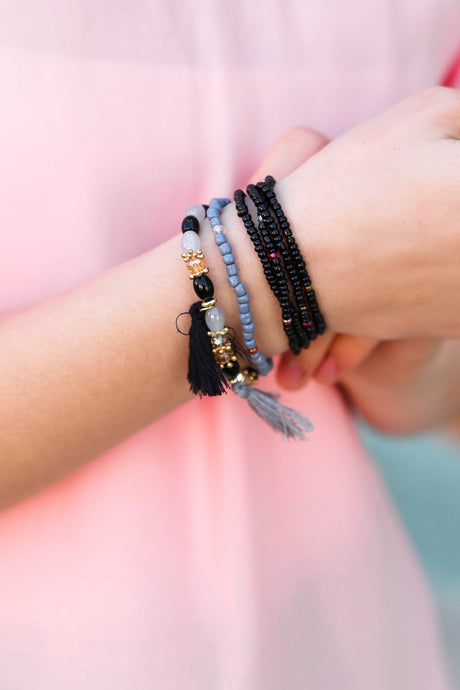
x,y
213,351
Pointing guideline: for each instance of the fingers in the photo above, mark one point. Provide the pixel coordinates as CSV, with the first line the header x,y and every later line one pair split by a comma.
x,y
345,353
289,151
294,372
327,359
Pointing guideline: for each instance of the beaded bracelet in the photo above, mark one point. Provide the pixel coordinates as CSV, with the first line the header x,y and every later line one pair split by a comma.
x,y
272,269
263,364
282,259
283,264
268,189
213,363
205,375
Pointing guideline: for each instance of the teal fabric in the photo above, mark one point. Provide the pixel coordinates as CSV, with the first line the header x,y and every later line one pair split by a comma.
x,y
423,475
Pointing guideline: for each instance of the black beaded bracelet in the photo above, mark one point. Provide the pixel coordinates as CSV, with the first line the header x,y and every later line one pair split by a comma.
x,y
268,188
283,264
303,327
271,267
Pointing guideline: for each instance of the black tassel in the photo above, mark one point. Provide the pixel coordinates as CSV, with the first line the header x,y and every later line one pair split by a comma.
x,y
204,374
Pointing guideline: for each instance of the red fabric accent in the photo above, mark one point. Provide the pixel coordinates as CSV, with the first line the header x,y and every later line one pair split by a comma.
x,y
451,76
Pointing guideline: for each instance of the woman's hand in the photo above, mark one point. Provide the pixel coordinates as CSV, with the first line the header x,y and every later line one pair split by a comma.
x,y
400,386
376,213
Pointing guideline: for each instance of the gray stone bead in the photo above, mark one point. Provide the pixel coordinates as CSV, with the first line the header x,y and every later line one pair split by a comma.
x,y
243,308
215,319
250,343
246,319
190,240
243,299
240,289
196,210
233,281
225,248
248,329
232,270
229,259
220,238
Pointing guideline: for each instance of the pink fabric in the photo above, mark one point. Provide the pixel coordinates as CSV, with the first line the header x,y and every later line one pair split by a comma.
x,y
179,559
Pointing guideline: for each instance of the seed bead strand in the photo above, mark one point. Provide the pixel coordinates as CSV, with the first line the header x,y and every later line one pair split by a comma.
x,y
270,265
304,336
263,364
268,188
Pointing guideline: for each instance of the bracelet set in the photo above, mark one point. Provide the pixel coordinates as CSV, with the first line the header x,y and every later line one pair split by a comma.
x,y
213,365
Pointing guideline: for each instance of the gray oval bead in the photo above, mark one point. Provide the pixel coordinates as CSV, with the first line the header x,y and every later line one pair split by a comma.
x,y
225,248
246,319
243,308
250,343
220,238
243,299
215,319
190,240
229,259
233,281
232,270
240,289
196,210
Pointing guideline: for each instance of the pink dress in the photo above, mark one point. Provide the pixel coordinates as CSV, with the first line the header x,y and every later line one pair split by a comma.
x,y
178,560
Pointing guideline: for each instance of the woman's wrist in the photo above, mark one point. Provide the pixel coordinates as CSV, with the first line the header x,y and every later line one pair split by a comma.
x,y
321,266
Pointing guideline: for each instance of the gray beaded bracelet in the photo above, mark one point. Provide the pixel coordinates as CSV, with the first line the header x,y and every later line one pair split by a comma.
x,y
263,364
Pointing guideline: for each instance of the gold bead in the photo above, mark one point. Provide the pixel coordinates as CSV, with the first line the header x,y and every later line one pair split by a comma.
x,y
253,350
239,378
208,304
251,376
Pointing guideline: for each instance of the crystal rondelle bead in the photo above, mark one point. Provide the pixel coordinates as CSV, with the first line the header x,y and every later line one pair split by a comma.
x,y
219,341
196,266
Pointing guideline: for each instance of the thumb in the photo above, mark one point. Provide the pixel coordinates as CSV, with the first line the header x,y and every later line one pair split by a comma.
x,y
289,151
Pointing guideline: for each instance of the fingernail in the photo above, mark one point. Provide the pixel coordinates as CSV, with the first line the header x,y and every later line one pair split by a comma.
x,y
296,374
327,370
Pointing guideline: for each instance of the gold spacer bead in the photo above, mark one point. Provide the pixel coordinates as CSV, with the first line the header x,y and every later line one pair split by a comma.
x,y
208,304
239,378
198,274
253,350
251,375
309,288
215,334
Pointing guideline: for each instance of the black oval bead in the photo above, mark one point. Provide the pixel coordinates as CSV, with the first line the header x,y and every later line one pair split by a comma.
x,y
190,223
203,287
233,370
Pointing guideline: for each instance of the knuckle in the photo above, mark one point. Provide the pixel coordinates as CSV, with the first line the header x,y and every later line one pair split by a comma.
x,y
305,136
437,102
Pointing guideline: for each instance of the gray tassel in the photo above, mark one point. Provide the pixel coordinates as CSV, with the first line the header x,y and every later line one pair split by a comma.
x,y
290,422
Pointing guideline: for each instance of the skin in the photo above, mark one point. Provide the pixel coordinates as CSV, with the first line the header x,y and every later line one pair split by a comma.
x,y
400,386
86,369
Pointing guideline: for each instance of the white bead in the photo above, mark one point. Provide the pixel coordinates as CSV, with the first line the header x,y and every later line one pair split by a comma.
x,y
196,210
218,228
215,319
190,240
